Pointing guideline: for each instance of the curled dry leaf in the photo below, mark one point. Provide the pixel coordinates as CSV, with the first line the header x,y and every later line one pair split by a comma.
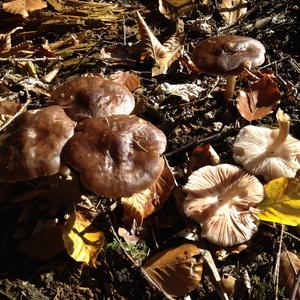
x,y
23,7
130,80
142,204
232,10
177,270
260,99
288,270
173,9
281,203
82,240
163,55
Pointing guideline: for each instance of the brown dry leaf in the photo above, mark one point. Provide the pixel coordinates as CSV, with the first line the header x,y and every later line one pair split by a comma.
x,y
163,55
232,10
288,270
177,270
82,240
5,40
129,79
143,204
45,244
260,99
23,7
173,9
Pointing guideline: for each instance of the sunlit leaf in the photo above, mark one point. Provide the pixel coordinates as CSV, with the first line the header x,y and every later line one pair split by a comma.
x,y
82,240
260,99
232,10
173,9
23,7
177,271
129,79
288,270
142,204
282,201
163,55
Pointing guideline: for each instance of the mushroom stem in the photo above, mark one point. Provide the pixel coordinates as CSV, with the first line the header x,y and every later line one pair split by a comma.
x,y
230,85
283,132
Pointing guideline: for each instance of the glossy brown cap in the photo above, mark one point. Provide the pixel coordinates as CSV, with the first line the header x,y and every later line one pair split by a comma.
x,y
31,147
228,54
84,97
116,156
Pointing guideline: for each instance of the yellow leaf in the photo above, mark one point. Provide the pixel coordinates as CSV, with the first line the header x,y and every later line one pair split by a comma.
x,y
282,201
177,271
82,240
232,10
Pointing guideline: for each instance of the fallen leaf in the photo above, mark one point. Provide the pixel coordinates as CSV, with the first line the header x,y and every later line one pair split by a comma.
x,y
288,270
282,201
45,244
232,10
82,240
5,40
177,270
163,55
260,99
128,237
23,7
129,79
143,204
173,9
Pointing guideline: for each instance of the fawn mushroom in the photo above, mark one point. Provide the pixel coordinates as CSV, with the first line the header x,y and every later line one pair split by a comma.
x,y
228,55
222,198
31,147
93,97
116,156
272,153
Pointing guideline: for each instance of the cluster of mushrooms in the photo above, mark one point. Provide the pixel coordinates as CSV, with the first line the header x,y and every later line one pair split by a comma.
x,y
89,128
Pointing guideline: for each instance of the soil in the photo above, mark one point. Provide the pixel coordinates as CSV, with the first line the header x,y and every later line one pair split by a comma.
x,y
186,125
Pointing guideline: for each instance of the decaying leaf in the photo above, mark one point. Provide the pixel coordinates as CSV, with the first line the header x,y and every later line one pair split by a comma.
x,y
163,55
23,7
173,9
232,10
44,244
141,205
177,270
187,91
288,271
129,79
82,240
260,99
5,40
282,201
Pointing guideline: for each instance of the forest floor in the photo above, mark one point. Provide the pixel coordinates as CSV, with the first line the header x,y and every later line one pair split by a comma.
x,y
97,42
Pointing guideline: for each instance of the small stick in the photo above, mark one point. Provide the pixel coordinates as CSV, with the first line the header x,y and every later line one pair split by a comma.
x,y
277,265
295,287
13,59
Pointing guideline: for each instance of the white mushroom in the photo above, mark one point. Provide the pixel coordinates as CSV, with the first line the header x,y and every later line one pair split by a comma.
x,y
222,199
272,153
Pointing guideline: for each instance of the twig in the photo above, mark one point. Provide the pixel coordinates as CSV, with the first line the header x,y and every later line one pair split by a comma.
x,y
21,110
13,59
295,287
277,265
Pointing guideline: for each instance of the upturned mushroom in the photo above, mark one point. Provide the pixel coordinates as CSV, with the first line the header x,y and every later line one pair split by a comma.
x,y
116,156
271,153
222,199
31,147
84,97
228,55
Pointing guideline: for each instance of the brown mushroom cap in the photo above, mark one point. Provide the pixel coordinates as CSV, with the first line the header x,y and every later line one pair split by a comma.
x,y
84,97
227,54
31,147
221,198
116,156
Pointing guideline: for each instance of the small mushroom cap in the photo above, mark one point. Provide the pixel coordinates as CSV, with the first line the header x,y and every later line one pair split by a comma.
x,y
228,54
117,156
251,151
31,147
84,97
221,198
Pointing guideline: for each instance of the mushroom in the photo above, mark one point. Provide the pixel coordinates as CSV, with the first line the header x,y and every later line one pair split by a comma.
x,y
272,153
93,97
228,55
31,147
116,156
222,198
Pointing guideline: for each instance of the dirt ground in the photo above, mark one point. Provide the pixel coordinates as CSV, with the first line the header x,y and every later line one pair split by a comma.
x,y
207,119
